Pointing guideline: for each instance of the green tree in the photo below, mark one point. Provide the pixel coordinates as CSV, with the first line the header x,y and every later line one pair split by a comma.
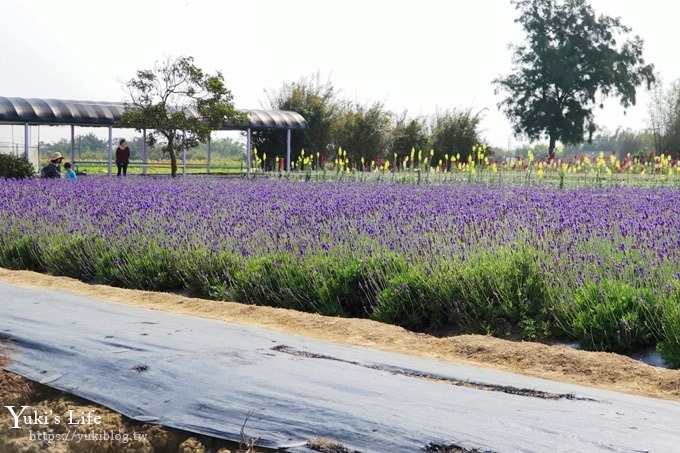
x,y
665,118
90,142
62,145
455,132
622,141
222,148
179,104
632,142
88,145
363,131
408,134
571,59
317,102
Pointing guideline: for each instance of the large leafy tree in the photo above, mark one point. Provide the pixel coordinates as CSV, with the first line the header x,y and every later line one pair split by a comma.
x,y
363,131
179,104
407,134
314,99
455,132
571,61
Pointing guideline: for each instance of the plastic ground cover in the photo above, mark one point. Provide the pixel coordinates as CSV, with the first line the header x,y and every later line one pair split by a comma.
x,y
208,376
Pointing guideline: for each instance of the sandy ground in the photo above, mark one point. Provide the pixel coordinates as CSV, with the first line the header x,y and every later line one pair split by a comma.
x,y
560,363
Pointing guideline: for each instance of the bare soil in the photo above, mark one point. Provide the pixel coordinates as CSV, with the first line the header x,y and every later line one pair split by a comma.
x,y
560,363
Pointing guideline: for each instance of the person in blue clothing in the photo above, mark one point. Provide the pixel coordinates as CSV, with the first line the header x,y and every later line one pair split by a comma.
x,y
70,174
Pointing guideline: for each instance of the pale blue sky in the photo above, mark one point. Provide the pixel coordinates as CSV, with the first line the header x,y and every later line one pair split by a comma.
x,y
413,55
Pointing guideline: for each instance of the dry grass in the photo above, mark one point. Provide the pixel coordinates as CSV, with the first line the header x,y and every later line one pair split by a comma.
x,y
327,446
14,390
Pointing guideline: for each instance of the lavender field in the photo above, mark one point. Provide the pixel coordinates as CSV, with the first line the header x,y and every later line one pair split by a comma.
x,y
597,266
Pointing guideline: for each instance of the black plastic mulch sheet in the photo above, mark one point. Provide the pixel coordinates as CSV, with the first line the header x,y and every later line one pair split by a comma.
x,y
208,377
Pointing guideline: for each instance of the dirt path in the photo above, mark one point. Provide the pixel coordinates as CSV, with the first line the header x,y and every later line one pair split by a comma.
x,y
559,363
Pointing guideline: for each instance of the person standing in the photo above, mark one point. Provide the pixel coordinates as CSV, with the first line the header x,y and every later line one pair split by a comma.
x,y
122,157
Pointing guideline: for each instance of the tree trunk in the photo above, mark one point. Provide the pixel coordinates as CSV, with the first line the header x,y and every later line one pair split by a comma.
x,y
173,158
551,147
173,163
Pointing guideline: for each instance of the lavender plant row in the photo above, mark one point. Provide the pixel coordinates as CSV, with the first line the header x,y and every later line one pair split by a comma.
x,y
596,265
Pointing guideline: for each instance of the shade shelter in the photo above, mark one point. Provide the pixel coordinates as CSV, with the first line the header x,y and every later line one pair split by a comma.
x,y
54,112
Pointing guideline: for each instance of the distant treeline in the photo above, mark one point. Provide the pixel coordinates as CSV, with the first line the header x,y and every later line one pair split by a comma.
x,y
91,147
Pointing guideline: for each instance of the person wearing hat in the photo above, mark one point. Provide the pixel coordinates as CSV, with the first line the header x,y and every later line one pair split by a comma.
x,y
52,169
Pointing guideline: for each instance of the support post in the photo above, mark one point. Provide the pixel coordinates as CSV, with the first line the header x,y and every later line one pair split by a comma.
x,y
26,141
249,153
110,149
288,150
207,169
73,143
184,154
144,151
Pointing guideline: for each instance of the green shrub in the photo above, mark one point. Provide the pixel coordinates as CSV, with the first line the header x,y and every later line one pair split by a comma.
x,y
493,293
609,316
669,341
12,166
67,257
355,285
275,281
340,286
154,269
208,274
505,293
412,301
20,253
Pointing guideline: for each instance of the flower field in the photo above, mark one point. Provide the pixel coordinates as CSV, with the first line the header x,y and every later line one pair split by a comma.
x,y
597,265
569,172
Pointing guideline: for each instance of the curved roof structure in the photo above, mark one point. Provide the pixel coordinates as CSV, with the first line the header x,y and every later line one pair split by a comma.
x,y
33,111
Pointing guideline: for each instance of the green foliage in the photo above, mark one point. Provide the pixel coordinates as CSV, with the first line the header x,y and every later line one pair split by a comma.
x,y
415,302
492,293
12,166
455,132
343,286
278,282
317,102
225,148
179,105
499,293
622,141
609,316
320,284
88,144
363,131
70,257
408,134
665,119
504,291
20,252
366,131
572,57
669,329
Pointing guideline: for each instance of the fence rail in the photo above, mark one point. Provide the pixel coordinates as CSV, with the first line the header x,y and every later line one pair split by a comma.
x,y
81,166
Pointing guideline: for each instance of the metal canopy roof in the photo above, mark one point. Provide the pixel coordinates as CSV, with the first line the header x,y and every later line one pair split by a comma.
x,y
33,111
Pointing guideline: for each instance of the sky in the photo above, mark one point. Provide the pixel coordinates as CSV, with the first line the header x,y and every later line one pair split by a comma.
x,y
415,56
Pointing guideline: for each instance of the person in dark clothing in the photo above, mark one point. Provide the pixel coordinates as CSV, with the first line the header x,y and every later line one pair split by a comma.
x,y
52,169
122,157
